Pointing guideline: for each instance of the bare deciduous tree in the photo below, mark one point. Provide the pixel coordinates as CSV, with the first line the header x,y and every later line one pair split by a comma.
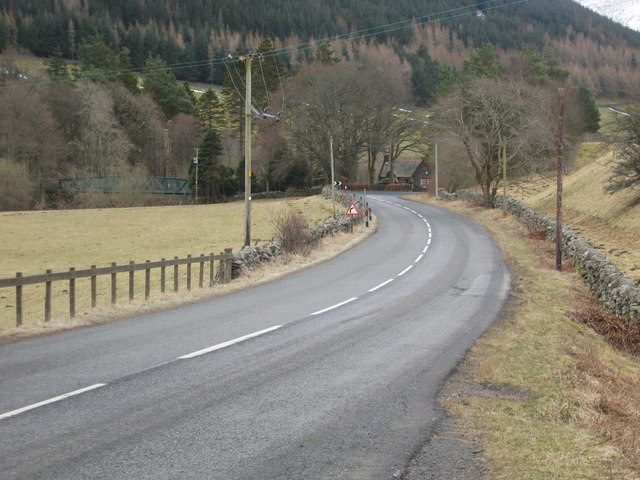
x,y
485,114
104,146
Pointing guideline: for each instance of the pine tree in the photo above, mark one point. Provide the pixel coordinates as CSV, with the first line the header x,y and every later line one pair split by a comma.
x,y
160,83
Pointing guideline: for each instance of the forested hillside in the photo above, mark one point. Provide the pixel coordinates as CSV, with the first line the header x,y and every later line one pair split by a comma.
x,y
182,32
113,103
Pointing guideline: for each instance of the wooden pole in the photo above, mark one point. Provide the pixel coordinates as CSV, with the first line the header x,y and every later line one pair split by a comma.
x,y
147,282
504,177
94,289
163,276
131,280
114,288
247,153
18,302
72,294
333,177
47,298
436,155
560,148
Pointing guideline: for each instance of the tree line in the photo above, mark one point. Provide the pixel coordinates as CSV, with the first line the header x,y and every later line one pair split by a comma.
x,y
96,117
187,33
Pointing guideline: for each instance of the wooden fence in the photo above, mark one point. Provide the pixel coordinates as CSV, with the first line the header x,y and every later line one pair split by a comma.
x,y
19,281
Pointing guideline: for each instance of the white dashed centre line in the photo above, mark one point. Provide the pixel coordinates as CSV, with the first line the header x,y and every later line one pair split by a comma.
x,y
335,306
229,343
51,400
381,285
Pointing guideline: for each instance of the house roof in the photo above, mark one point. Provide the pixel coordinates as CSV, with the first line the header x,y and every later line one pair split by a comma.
x,y
404,168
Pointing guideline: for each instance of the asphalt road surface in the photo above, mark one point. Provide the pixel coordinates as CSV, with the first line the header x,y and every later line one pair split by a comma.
x,y
331,372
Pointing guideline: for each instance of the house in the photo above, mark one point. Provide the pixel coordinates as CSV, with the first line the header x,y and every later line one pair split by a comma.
x,y
413,172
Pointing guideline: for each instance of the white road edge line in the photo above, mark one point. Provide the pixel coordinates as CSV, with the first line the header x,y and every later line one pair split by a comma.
x,y
405,270
229,343
419,258
51,400
424,250
335,306
381,285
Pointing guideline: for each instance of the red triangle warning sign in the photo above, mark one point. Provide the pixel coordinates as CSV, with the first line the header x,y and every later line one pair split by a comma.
x,y
352,210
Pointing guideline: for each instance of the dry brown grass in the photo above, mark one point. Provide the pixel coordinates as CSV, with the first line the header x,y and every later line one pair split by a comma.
x,y
611,223
286,264
619,332
577,415
610,402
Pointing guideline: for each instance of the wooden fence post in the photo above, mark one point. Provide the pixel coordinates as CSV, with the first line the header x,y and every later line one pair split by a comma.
x,y
147,282
47,298
18,302
94,288
131,280
211,268
175,276
189,274
228,266
114,288
163,276
201,277
72,294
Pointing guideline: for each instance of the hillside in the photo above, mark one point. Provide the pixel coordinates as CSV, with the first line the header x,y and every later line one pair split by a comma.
x,y
611,223
600,53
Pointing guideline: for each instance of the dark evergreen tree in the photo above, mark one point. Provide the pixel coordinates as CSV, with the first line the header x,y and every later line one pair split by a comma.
x,y
209,110
100,63
57,67
482,62
160,83
4,34
592,114
325,55
215,181
425,77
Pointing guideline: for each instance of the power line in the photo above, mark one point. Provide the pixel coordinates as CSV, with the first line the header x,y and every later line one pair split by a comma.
x,y
343,38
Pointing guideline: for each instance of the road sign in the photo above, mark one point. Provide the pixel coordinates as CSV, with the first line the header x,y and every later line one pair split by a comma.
x,y
352,210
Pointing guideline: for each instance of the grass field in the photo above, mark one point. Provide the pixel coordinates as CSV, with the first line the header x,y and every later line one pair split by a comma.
x,y
35,241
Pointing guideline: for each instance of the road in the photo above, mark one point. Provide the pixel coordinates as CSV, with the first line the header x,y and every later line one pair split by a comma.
x,y
331,372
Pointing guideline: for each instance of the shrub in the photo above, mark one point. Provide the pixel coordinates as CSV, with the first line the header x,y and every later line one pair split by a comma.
x,y
292,231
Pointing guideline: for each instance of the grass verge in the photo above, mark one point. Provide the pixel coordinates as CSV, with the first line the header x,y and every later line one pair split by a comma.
x,y
551,398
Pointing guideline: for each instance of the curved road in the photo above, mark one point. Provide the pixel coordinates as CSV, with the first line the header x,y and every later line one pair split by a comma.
x,y
331,372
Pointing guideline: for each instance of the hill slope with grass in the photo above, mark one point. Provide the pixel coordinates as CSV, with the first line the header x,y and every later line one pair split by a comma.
x,y
609,222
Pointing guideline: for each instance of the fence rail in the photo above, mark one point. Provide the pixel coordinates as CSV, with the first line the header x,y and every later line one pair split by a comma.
x,y
19,281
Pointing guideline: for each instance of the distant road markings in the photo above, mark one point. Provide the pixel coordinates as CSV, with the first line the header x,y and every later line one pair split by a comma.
x,y
381,285
229,343
51,400
335,306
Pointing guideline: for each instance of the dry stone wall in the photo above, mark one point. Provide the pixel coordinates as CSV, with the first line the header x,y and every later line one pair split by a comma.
x,y
253,256
616,292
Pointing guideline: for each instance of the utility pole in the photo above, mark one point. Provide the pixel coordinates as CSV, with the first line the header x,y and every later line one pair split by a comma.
x,y
333,179
504,177
247,153
436,155
560,148
195,160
